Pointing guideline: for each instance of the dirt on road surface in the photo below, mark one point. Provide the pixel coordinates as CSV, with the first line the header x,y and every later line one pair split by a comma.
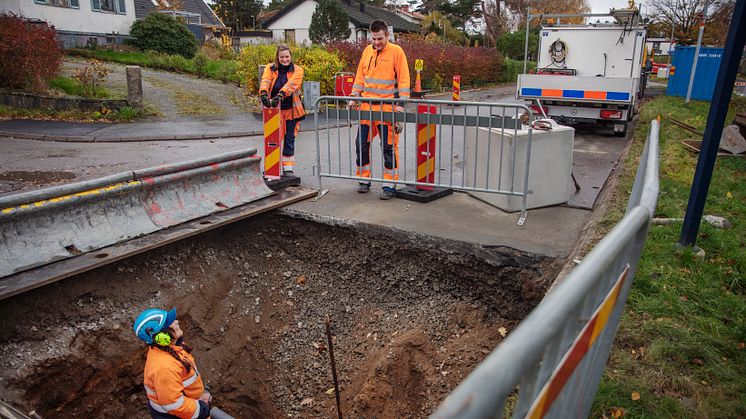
x,y
412,316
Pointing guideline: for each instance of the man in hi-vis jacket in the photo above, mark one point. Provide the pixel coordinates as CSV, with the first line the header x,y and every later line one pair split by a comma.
x,y
383,73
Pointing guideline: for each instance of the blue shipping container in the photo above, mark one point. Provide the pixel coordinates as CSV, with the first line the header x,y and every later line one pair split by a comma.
x,y
708,66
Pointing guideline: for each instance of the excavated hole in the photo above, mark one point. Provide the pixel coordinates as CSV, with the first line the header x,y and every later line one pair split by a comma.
x,y
412,316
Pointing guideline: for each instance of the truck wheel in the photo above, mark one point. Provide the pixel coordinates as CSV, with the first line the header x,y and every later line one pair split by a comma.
x,y
620,132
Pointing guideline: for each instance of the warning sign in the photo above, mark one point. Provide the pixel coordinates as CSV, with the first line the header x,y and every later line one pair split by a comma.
x,y
418,65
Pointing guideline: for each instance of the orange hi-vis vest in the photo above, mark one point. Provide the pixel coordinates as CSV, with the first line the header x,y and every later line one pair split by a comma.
x,y
382,75
291,88
170,388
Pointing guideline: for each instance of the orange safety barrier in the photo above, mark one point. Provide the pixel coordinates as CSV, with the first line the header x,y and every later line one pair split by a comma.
x,y
456,87
426,149
274,133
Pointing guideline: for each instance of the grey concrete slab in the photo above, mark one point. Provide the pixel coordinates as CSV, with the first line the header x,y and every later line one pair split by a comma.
x,y
595,156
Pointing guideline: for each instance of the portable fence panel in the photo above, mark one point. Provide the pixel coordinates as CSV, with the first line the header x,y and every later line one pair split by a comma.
x,y
352,149
556,356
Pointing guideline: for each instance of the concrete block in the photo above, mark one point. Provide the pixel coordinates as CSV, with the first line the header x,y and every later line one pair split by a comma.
x,y
550,168
134,86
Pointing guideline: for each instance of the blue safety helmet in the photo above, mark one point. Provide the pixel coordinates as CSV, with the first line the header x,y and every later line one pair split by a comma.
x,y
152,321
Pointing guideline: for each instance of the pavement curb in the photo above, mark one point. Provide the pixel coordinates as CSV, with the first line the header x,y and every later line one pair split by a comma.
x,y
106,139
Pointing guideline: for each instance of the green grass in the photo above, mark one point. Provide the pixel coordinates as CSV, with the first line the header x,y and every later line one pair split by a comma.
x,y
125,114
72,87
681,340
223,70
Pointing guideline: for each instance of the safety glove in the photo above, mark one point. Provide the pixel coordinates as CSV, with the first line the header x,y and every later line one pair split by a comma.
x,y
275,101
398,127
265,101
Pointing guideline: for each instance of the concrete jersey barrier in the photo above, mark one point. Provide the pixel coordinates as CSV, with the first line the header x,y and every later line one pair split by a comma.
x,y
55,223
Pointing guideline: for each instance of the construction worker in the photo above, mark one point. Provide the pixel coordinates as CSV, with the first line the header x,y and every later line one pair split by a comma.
x,y
383,73
172,383
281,81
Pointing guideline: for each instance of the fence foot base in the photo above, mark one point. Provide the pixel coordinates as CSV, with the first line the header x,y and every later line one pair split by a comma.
x,y
283,182
411,193
522,218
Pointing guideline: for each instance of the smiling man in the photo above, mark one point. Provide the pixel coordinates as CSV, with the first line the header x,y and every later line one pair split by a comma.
x,y
383,73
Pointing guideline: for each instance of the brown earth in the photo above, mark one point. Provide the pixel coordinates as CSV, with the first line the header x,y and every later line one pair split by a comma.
x,y
412,316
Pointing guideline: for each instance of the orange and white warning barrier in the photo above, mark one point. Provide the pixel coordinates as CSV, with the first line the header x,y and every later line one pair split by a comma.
x,y
274,133
426,149
577,351
456,87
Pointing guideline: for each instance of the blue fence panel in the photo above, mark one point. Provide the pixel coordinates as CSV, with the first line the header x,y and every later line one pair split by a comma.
x,y
708,66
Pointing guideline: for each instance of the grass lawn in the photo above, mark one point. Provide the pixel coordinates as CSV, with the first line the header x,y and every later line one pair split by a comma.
x,y
223,70
72,87
125,114
680,344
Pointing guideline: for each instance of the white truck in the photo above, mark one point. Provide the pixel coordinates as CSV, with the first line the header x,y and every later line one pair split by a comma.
x,y
588,73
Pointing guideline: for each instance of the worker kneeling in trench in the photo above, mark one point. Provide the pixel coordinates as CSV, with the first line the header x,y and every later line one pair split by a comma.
x,y
172,382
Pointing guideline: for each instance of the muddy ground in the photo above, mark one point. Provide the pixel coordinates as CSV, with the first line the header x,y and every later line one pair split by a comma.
x,y
412,316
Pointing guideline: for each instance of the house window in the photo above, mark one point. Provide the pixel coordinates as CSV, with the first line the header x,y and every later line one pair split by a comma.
x,y
110,6
290,36
71,4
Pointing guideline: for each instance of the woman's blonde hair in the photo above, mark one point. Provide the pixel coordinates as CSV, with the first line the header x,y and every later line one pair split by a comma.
x,y
280,48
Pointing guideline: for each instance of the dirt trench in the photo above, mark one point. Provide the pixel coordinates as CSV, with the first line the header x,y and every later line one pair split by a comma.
x,y
412,316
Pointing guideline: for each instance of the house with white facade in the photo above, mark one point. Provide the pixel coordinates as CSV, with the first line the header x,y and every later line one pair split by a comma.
x,y
292,22
76,21
658,46
103,22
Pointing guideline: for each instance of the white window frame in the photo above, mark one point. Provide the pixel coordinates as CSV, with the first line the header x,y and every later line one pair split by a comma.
x,y
70,4
120,6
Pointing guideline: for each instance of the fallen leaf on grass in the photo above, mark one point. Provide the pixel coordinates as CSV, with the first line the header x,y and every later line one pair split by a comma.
x,y
741,345
502,331
729,195
635,396
698,361
617,412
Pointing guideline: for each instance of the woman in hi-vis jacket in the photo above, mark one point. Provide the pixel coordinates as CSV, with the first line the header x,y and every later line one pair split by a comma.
x,y
281,85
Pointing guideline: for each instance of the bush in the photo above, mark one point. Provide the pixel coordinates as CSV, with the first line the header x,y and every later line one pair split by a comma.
x,y
513,44
91,77
200,64
163,33
476,65
515,67
319,65
249,60
29,53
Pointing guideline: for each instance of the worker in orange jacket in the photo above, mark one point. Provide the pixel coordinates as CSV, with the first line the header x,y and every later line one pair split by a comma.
x,y
282,81
383,73
173,384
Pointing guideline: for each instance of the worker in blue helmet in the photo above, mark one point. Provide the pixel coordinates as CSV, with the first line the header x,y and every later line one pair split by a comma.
x,y
173,384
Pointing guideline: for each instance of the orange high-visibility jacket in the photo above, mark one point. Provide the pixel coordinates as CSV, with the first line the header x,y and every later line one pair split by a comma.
x,y
291,88
170,388
382,75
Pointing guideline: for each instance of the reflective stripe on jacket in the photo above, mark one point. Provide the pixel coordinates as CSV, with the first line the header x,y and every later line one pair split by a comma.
x,y
291,88
169,387
382,75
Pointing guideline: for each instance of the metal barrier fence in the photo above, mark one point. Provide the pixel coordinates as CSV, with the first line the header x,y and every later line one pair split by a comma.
x,y
59,222
556,356
464,135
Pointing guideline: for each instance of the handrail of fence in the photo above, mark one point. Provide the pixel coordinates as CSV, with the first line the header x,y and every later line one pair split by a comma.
x,y
556,356
453,136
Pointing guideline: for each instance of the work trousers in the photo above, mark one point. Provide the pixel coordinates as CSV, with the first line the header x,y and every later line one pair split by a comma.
x,y
390,142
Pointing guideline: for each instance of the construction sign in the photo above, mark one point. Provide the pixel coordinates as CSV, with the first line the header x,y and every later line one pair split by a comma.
x,y
426,149
419,65
273,136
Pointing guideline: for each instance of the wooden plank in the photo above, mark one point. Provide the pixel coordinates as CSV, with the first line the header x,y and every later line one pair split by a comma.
x,y
47,274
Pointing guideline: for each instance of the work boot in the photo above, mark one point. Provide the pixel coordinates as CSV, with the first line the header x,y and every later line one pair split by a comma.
x,y
363,187
387,193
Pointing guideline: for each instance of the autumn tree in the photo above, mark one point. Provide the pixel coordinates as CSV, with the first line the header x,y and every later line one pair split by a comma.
x,y
685,16
237,14
519,8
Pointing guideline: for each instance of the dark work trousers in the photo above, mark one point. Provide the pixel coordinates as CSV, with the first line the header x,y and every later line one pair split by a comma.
x,y
362,147
288,147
